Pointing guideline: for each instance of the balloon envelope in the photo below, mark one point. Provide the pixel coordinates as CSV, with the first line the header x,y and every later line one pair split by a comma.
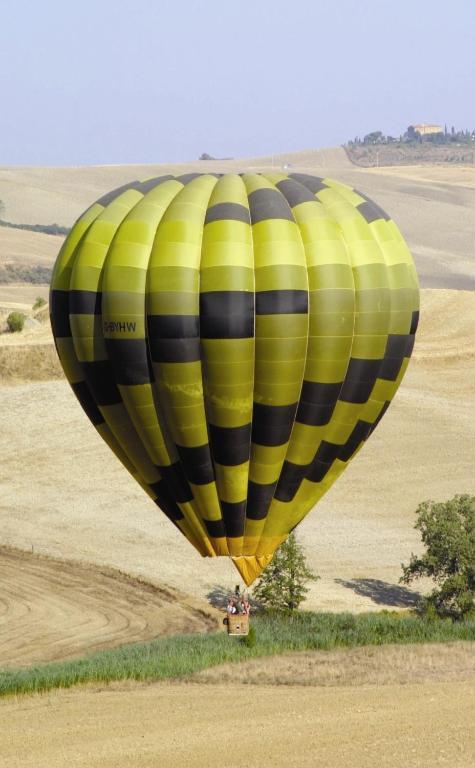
x,y
235,339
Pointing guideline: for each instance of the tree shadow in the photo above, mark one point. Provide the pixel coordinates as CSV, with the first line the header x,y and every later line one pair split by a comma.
x,y
218,597
382,593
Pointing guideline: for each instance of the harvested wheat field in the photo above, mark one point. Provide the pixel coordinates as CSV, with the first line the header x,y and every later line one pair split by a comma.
x,y
34,195
201,726
51,610
24,248
21,296
433,205
64,495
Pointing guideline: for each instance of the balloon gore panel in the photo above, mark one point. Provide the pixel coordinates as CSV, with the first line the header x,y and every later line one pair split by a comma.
x,y
235,340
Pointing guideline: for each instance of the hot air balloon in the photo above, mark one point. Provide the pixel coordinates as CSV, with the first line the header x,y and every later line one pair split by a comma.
x,y
235,340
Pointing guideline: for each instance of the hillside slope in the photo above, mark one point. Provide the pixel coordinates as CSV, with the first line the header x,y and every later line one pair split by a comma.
x,y
64,492
52,610
434,206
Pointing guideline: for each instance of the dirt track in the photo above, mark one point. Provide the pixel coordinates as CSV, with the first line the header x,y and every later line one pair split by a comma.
x,y
51,610
203,726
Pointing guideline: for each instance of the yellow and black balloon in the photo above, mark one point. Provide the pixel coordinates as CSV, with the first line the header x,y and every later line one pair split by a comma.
x,y
235,339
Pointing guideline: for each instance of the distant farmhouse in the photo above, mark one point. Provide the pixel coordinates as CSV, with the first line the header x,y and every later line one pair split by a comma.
x,y
424,129
420,133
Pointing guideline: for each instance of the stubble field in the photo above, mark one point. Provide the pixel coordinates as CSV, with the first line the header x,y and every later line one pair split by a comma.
x,y
63,494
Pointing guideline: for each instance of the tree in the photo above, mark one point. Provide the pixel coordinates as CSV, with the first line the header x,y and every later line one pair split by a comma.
x,y
15,321
282,586
376,137
39,302
448,534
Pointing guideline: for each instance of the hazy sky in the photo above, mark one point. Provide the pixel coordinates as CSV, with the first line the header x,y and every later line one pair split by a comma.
x,y
115,81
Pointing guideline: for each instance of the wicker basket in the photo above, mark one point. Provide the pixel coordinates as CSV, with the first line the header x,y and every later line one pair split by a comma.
x,y
238,624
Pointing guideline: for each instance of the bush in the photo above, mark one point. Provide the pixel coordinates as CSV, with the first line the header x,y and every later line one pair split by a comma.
x,y
282,584
15,321
47,229
448,534
39,302
250,639
18,273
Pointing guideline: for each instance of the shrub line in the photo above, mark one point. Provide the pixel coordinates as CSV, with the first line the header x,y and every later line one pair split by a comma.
x,y
46,229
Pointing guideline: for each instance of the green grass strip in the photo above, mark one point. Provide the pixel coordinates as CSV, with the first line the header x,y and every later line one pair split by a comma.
x,y
180,656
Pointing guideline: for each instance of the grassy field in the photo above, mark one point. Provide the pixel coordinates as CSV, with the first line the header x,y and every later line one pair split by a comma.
x,y
363,666
182,656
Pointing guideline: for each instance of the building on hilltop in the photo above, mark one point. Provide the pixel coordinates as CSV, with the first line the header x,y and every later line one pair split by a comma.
x,y
425,129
